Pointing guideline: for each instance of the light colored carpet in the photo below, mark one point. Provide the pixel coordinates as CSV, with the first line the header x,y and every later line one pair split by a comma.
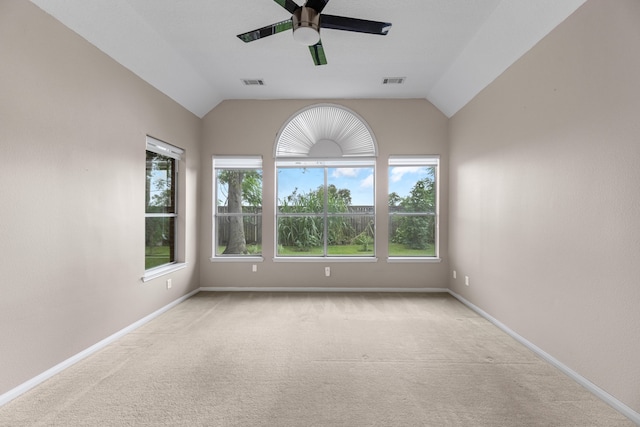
x,y
313,359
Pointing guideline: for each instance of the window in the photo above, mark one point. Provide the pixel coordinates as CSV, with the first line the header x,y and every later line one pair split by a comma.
x,y
325,175
413,207
161,199
325,208
237,211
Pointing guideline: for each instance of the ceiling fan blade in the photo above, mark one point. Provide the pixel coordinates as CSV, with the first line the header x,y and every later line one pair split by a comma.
x,y
290,5
318,5
354,24
269,30
317,53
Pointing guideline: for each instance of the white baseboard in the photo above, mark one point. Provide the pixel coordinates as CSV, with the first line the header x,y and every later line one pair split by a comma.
x,y
322,289
26,386
597,391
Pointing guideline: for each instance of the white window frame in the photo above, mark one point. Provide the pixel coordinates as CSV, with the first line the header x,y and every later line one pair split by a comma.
x,y
323,164
426,160
160,147
231,162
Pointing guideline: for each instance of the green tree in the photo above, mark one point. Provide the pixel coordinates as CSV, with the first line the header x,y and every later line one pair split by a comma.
x,y
243,186
341,197
417,231
394,199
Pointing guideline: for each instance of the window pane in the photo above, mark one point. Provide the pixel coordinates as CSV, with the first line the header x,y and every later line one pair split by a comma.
x,y
245,186
300,190
351,235
344,204
412,235
350,187
238,212
412,189
412,210
159,241
249,243
160,191
300,235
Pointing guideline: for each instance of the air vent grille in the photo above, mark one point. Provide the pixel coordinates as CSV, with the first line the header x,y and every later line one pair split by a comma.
x,y
393,80
253,82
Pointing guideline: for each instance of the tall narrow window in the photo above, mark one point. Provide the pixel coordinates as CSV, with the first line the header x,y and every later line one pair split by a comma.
x,y
237,228
161,203
325,208
413,207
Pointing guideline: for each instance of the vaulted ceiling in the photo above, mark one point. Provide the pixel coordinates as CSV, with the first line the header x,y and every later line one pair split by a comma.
x,y
447,50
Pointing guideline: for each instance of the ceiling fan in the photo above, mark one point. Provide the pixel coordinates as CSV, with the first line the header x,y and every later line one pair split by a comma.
x,y
306,22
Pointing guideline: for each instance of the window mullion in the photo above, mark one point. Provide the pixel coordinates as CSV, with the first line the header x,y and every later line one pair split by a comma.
x,y
326,210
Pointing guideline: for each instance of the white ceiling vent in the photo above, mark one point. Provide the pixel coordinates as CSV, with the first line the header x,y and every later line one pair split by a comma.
x,y
325,130
253,82
393,80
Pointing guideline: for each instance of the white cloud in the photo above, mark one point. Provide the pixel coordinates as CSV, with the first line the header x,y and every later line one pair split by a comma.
x,y
398,172
367,182
350,172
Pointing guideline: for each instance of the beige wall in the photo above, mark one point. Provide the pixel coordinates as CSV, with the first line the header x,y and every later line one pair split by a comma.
x,y
250,128
545,198
72,138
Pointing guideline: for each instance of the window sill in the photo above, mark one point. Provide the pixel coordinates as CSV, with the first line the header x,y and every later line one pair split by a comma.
x,y
161,271
237,259
325,259
428,260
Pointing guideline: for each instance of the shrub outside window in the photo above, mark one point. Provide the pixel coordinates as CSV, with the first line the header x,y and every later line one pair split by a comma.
x,y
413,207
237,224
161,199
325,208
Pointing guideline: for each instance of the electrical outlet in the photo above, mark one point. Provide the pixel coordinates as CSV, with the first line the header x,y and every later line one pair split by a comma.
x,y
168,283
454,274
466,280
327,271
254,268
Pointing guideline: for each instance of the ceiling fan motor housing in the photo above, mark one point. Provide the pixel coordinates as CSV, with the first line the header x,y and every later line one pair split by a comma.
x,y
306,26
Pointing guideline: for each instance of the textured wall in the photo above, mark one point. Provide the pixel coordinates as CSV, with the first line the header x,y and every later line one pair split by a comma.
x,y
250,128
545,204
72,137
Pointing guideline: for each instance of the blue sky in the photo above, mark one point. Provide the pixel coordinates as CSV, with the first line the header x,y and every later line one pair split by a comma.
x,y
403,178
359,180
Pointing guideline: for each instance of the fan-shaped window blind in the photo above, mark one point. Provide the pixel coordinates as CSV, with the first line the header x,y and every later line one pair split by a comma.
x,y
325,131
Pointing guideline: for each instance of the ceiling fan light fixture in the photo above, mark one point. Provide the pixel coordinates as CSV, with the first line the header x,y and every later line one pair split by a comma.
x,y
306,21
306,26
306,36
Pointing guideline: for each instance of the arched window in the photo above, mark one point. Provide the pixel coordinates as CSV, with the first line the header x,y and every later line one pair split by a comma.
x,y
325,130
325,168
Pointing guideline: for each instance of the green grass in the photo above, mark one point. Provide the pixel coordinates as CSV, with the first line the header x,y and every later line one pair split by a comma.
x,y
350,250
252,248
341,250
398,249
156,256
295,251
395,249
